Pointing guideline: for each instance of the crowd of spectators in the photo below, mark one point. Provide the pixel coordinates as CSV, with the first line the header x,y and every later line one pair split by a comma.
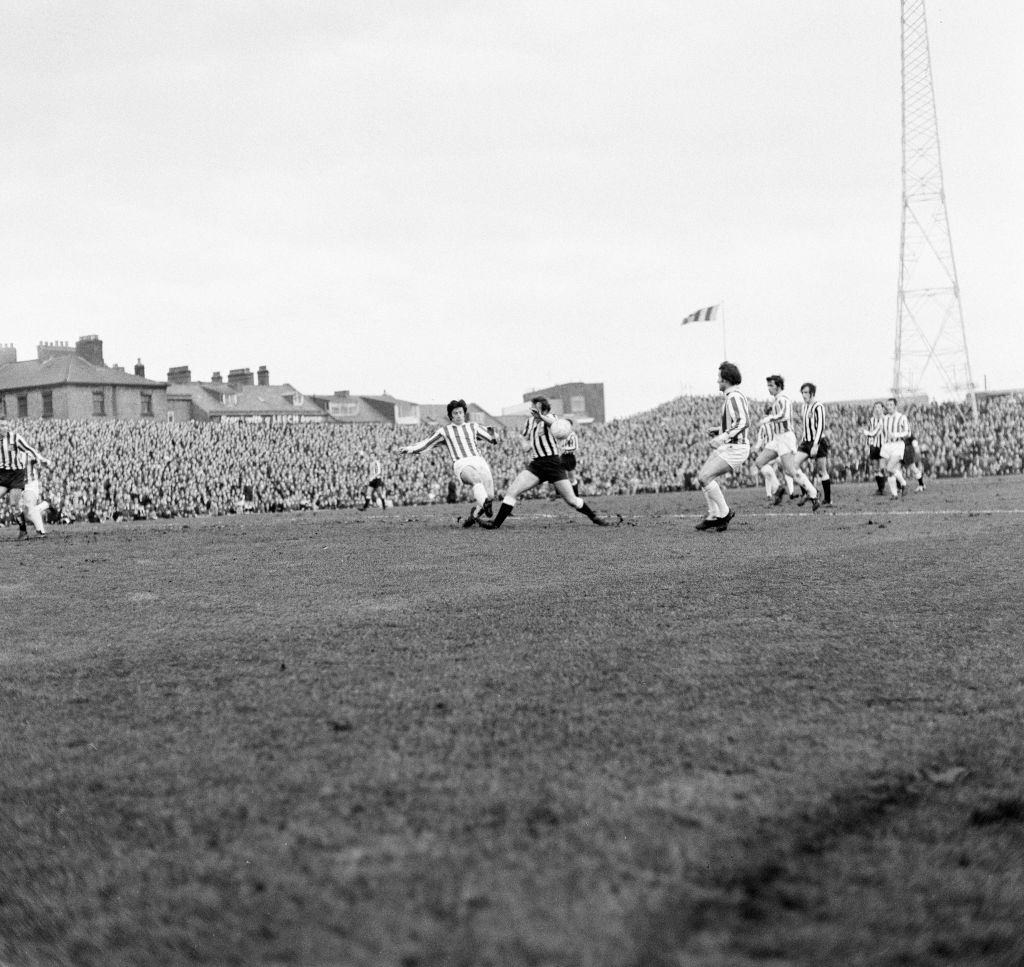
x,y
115,470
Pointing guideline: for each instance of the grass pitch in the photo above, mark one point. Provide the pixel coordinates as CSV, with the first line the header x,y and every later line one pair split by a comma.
x,y
355,739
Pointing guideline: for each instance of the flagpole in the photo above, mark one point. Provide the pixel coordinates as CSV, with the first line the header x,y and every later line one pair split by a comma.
x,y
725,355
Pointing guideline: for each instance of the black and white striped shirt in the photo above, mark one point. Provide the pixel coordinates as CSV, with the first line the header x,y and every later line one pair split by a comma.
x,y
13,450
895,427
736,416
539,435
460,438
814,422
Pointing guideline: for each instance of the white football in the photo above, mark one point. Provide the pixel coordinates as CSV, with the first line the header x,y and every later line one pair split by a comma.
x,y
560,429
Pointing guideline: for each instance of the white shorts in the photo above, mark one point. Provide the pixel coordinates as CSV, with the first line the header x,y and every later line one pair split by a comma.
x,y
734,454
783,443
480,468
892,452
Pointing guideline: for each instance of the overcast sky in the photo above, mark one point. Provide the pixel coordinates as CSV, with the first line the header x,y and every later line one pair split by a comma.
x,y
440,198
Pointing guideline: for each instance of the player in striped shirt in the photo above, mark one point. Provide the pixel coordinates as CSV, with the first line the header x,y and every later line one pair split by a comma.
x,y
895,430
873,431
779,414
15,454
732,448
469,466
772,486
814,445
545,467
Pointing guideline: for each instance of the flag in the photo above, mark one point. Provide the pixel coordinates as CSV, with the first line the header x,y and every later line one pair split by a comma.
x,y
701,315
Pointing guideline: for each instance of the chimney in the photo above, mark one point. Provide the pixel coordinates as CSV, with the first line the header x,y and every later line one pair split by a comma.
x,y
47,350
179,374
216,378
8,354
90,348
240,377
263,376
140,370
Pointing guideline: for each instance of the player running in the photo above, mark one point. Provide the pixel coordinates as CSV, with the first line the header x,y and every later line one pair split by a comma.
x,y
732,448
469,466
779,411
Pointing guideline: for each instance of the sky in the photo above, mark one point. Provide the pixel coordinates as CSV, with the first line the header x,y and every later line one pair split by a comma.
x,y
476,199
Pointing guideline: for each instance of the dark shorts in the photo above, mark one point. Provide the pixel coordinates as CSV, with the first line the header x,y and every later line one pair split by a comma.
x,y
909,451
548,469
805,447
376,483
874,453
13,479
569,461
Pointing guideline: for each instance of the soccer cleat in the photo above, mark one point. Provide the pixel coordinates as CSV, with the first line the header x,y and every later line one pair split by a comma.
x,y
894,497
470,520
707,524
826,503
779,494
793,496
22,535
803,500
815,503
600,521
487,525
487,510
722,523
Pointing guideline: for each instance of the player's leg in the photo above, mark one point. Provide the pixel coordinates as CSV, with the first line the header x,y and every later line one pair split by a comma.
x,y
789,465
14,496
707,477
470,475
523,482
564,490
821,470
31,508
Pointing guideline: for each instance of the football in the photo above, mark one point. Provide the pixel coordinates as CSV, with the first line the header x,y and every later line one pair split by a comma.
x,y
560,429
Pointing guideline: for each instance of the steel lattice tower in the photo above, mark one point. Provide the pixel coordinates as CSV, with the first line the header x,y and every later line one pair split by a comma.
x,y
931,341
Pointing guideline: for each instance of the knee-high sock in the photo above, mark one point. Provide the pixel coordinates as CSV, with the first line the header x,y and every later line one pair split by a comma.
x,y
713,494
771,479
479,495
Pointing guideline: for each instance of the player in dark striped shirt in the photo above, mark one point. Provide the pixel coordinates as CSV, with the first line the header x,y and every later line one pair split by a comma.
x,y
15,454
545,467
814,445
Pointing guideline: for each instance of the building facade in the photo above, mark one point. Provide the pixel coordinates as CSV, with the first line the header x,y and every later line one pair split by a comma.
x,y
73,383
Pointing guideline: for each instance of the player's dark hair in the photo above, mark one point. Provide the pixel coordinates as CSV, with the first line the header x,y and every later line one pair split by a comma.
x,y
455,404
810,387
542,401
892,399
776,379
730,372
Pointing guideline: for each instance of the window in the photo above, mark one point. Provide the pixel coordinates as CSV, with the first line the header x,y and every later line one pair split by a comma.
x,y
99,403
47,405
348,408
23,405
577,404
147,404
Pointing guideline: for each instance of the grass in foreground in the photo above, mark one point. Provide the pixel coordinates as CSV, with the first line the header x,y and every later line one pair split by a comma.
x,y
367,739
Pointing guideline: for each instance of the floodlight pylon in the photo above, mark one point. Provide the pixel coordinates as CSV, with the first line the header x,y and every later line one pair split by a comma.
x,y
931,339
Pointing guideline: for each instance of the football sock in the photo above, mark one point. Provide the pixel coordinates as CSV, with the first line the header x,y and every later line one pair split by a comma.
x,y
892,485
771,479
717,499
826,486
503,511
789,484
880,482
576,489
33,513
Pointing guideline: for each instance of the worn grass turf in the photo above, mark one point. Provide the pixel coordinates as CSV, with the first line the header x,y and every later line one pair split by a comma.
x,y
383,739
